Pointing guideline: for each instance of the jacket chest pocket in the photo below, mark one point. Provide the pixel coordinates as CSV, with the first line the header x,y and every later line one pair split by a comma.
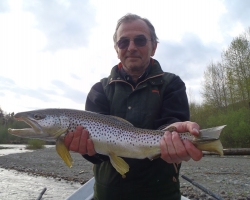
x,y
143,107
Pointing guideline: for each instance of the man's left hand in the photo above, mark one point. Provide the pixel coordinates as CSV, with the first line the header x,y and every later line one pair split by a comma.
x,y
175,150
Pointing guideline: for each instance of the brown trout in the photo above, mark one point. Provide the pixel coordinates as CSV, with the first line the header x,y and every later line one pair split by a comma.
x,y
112,136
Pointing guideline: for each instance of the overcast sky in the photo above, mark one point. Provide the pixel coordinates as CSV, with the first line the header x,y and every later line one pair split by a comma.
x,y
53,51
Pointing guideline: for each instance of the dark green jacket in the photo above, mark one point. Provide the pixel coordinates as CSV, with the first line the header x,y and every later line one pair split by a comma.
x,y
158,100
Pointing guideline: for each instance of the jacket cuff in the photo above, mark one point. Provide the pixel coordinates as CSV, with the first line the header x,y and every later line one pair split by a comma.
x,y
96,159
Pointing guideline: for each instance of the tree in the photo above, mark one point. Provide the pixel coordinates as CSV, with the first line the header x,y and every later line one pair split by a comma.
x,y
214,87
237,62
1,113
226,87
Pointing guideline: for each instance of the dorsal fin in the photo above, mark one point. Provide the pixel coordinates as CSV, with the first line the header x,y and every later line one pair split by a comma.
x,y
121,120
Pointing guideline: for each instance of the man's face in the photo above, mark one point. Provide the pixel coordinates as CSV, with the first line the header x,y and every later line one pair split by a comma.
x,y
135,58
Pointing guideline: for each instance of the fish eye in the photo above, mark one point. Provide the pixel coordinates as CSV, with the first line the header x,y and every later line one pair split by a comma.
x,y
38,116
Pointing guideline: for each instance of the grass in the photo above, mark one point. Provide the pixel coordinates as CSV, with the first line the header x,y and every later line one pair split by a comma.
x,y
35,144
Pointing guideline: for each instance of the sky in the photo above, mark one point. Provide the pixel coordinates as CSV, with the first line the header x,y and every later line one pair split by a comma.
x,y
53,51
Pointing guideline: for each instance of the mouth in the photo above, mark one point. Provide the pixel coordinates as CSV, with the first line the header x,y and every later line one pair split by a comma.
x,y
27,132
133,56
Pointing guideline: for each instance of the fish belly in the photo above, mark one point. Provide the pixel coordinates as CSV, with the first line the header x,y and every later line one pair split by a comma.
x,y
127,150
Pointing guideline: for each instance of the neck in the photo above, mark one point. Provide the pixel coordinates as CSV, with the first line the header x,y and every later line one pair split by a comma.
x,y
136,77
135,71
135,74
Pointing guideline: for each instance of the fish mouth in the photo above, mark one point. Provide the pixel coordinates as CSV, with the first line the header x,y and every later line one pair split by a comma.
x,y
33,132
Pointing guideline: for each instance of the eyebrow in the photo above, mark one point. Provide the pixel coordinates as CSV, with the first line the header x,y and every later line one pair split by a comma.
x,y
137,36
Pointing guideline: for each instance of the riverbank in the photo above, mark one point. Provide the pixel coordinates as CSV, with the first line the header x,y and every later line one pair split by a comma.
x,y
227,176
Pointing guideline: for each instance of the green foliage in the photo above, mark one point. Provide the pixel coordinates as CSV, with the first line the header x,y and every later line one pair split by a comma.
x,y
5,137
237,132
35,144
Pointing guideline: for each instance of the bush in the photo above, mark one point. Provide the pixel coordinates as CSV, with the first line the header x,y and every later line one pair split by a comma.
x,y
237,132
35,144
6,138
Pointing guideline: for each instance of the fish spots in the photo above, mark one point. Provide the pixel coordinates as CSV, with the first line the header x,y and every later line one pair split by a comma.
x,y
105,131
186,136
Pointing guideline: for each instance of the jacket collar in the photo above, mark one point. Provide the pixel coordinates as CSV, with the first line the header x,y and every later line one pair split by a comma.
x,y
152,71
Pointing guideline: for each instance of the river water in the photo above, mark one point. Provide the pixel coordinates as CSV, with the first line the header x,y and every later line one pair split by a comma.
x,y
17,185
6,149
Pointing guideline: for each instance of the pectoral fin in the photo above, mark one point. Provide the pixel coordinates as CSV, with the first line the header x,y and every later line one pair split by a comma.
x,y
60,132
213,146
119,164
63,152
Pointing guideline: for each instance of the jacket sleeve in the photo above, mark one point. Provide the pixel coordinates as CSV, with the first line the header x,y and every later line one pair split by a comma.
x,y
97,102
175,106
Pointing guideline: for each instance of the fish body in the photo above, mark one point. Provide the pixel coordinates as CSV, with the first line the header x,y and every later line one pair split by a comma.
x,y
112,136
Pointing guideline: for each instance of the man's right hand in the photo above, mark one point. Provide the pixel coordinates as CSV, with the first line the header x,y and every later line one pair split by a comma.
x,y
78,141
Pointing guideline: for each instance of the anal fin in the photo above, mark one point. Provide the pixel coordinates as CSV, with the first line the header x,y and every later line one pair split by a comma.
x,y
213,146
119,164
63,152
154,157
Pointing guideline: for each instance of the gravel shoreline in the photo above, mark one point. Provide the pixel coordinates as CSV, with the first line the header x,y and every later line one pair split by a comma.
x,y
227,176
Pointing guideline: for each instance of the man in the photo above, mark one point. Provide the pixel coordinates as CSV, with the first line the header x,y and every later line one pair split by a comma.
x,y
140,92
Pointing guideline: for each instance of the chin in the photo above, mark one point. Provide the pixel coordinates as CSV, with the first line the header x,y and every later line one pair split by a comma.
x,y
134,64
135,67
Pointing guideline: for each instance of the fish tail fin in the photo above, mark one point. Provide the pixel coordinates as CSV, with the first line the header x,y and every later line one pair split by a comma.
x,y
119,164
63,152
213,146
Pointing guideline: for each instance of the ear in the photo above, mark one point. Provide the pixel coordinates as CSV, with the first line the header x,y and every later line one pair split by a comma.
x,y
154,49
116,49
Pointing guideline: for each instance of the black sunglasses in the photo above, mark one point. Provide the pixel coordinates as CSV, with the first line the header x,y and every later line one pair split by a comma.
x,y
140,41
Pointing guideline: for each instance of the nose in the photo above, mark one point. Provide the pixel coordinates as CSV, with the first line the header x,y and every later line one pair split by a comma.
x,y
131,46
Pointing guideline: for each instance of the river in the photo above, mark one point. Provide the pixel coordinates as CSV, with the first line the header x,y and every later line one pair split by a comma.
x,y
17,185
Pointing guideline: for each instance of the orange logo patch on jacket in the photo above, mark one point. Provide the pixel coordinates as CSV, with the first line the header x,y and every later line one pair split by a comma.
x,y
156,91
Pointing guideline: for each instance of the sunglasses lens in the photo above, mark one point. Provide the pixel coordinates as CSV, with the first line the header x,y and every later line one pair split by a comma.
x,y
140,41
123,43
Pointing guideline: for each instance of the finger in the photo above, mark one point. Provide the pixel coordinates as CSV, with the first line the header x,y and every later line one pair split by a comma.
x,y
193,128
164,151
171,147
193,152
90,147
168,151
83,142
74,145
68,139
195,131
180,149
187,126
